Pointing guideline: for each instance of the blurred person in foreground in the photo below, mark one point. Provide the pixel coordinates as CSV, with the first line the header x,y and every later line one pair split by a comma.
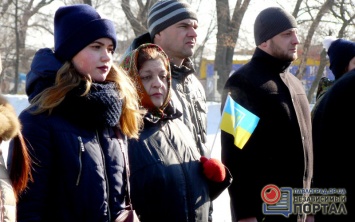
x,y
341,54
333,143
167,171
279,151
74,124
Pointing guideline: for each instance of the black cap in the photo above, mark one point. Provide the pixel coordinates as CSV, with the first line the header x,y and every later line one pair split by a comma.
x,y
270,22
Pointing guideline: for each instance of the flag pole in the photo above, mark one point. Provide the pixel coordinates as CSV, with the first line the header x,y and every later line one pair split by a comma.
x,y
214,140
218,128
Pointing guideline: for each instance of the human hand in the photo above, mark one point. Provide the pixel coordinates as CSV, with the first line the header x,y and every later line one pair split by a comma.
x,y
213,169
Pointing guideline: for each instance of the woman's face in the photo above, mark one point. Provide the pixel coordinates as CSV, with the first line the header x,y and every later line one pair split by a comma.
x,y
95,59
154,78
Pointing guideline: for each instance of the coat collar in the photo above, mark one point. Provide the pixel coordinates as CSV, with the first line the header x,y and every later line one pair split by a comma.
x,y
270,62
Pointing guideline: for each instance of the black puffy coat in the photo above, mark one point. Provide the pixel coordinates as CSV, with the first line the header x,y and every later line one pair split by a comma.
x,y
333,139
167,180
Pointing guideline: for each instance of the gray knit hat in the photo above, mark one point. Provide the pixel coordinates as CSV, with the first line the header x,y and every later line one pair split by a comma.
x,y
166,13
270,22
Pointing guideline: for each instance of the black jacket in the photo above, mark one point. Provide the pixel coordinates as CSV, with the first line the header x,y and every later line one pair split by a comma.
x,y
167,180
333,134
188,96
280,149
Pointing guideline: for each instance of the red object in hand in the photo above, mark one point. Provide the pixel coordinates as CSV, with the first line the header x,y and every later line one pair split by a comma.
x,y
213,169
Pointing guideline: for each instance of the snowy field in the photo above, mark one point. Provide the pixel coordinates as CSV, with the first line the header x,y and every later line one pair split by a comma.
x,y
221,208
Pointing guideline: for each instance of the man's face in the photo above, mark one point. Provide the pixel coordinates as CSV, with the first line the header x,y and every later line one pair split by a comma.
x,y
178,40
284,45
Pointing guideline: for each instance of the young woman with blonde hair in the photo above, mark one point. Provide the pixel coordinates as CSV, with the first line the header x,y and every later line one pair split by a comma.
x,y
82,109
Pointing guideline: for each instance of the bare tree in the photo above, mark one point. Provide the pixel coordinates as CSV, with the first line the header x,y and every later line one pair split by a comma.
x,y
137,17
297,8
18,14
94,3
5,6
307,43
197,57
227,36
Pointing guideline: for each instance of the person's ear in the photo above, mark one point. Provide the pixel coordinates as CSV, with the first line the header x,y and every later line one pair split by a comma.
x,y
157,37
263,44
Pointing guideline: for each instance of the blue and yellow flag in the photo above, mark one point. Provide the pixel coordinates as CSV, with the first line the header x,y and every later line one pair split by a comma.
x,y
238,121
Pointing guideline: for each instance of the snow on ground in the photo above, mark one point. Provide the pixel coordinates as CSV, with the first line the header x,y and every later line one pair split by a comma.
x,y
221,210
221,207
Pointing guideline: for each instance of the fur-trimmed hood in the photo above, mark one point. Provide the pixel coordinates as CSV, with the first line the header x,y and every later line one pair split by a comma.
x,y
9,123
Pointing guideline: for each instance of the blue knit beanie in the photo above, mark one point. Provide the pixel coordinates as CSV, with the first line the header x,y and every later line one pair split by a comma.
x,y
76,26
340,53
270,22
166,13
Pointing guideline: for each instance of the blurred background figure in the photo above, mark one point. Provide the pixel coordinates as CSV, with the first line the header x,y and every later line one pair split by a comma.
x,y
14,182
341,54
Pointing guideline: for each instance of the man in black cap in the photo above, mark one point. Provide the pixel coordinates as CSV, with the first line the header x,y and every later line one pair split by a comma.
x,y
279,151
172,25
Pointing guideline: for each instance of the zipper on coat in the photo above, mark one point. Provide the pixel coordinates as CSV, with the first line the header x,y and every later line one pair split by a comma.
x,y
106,178
199,122
81,150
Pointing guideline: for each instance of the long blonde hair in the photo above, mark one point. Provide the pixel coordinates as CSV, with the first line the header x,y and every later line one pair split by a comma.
x,y
68,78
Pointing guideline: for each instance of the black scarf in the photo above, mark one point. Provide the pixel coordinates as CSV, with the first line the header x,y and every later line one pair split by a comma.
x,y
101,107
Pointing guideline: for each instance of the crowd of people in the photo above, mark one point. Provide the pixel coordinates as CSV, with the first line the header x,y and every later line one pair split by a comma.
x,y
87,117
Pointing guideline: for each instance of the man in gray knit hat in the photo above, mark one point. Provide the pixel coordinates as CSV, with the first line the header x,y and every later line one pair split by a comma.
x,y
172,25
279,152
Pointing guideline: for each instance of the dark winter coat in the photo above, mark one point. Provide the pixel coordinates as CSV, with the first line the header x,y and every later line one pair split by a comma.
x,y
280,149
323,85
189,96
333,137
167,180
78,166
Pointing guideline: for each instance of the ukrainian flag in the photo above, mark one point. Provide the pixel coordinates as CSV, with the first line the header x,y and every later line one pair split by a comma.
x,y
238,121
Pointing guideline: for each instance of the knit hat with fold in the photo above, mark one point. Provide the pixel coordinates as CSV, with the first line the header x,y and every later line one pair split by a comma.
x,y
270,22
76,26
166,13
